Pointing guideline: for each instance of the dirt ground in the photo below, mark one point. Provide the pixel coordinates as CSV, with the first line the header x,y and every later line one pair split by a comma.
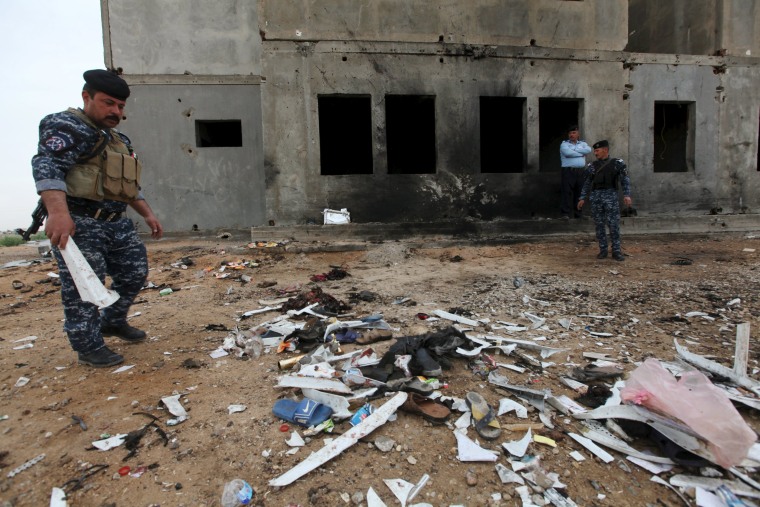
x,y
648,295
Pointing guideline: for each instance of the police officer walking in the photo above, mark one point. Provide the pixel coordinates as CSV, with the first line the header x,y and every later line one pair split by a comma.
x,y
602,178
87,173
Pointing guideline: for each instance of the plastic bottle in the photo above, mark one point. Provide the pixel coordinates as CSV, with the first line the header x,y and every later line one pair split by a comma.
x,y
236,492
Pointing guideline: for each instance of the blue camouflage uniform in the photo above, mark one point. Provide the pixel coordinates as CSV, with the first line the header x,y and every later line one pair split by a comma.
x,y
110,247
601,185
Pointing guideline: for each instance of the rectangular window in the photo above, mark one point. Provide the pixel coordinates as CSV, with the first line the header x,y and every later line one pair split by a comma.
x,y
673,137
555,116
410,134
502,138
218,133
345,134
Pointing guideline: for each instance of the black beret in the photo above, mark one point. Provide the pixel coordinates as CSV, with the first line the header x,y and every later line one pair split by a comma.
x,y
572,128
107,82
601,144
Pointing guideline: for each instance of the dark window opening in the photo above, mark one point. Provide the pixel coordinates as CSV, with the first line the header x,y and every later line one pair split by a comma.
x,y
673,137
218,133
410,134
554,118
502,138
345,134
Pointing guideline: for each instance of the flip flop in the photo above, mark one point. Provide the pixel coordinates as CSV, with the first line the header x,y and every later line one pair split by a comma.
x,y
483,415
304,413
430,410
17,284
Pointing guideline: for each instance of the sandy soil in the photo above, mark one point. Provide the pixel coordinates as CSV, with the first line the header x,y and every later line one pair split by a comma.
x,y
648,295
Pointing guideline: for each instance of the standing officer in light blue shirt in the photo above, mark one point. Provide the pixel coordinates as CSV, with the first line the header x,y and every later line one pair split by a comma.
x,y
572,153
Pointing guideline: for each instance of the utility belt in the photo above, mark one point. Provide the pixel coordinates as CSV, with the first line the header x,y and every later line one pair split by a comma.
x,y
96,213
604,187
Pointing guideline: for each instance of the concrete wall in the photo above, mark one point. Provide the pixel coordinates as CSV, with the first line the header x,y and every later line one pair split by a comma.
x,y
696,27
547,23
188,185
182,36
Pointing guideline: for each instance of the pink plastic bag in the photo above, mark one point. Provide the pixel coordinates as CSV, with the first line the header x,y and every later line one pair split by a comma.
x,y
695,401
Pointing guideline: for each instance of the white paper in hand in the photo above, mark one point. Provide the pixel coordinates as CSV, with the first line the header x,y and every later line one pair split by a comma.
x,y
88,284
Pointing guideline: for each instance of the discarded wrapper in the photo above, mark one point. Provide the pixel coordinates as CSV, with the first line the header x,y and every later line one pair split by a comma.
x,y
90,288
175,408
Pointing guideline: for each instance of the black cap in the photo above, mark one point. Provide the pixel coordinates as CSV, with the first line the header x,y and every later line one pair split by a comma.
x,y
601,144
108,82
572,128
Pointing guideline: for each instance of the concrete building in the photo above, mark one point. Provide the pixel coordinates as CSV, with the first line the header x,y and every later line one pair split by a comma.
x,y
254,112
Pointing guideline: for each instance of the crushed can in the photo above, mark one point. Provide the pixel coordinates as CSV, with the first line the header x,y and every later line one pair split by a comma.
x,y
362,414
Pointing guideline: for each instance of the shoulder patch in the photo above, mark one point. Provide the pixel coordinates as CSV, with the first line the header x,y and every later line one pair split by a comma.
x,y
56,143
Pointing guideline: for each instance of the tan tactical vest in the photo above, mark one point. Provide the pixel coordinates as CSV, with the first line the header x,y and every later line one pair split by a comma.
x,y
111,173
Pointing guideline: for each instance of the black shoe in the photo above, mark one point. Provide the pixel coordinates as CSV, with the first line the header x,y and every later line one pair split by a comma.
x,y
602,254
618,256
125,332
101,358
426,363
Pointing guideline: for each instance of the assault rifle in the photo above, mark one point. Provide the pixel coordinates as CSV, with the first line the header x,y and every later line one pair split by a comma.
x,y
38,217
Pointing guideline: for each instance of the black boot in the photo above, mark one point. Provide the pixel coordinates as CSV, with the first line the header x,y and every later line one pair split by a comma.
x,y
101,358
602,254
618,256
429,367
125,332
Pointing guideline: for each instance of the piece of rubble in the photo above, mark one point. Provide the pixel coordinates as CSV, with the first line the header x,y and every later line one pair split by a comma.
x,y
470,451
320,384
373,421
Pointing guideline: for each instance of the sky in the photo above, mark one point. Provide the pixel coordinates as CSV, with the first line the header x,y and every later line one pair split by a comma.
x,y
46,46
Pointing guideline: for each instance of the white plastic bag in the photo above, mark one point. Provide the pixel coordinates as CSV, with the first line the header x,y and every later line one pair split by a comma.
x,y
692,399
333,217
88,284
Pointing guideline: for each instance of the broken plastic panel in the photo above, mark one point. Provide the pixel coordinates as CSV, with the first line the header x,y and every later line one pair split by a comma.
x,y
90,288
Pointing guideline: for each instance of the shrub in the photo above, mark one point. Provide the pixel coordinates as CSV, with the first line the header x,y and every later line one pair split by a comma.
x,y
15,239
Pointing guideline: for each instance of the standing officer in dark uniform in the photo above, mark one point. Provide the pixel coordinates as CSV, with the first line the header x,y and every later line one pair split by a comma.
x,y
87,173
602,177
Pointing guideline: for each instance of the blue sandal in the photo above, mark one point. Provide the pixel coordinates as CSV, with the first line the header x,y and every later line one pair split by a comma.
x,y
304,413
